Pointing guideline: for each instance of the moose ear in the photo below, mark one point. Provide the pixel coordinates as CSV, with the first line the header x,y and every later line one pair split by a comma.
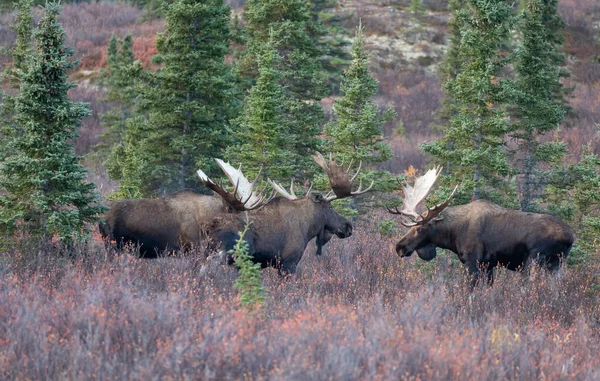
x,y
316,197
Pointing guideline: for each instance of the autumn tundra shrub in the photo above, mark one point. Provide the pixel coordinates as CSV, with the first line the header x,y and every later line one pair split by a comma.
x,y
357,312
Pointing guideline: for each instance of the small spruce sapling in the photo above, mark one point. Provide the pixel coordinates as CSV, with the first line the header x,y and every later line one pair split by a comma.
x,y
249,283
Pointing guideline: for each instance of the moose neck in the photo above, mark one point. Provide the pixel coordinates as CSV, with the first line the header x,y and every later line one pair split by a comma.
x,y
443,232
312,219
303,214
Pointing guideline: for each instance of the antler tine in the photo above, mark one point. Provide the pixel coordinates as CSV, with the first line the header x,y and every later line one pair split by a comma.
x,y
257,176
359,191
247,198
260,198
292,189
350,167
393,211
281,190
244,192
243,196
218,189
321,162
330,196
235,190
436,210
357,171
399,212
414,196
408,224
309,189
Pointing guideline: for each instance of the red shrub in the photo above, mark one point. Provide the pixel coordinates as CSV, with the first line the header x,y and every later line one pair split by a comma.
x,y
144,48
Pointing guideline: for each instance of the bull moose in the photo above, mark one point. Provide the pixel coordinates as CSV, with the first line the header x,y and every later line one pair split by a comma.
x,y
173,222
481,233
280,230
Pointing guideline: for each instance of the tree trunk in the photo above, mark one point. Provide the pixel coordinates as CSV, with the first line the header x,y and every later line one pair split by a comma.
x,y
528,180
477,174
190,96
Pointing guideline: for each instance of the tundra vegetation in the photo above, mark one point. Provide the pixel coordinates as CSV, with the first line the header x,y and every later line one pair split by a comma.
x,y
503,96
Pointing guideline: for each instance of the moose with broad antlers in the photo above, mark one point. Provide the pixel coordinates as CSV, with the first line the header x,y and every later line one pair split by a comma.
x,y
282,227
481,233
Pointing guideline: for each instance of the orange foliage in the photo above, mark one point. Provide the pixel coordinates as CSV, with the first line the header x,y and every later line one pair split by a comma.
x,y
144,48
411,172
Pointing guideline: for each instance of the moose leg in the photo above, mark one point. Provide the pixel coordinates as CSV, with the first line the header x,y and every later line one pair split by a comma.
x,y
322,238
490,274
288,266
473,270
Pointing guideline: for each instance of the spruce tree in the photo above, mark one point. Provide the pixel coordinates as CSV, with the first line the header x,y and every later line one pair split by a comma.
x,y
192,97
447,71
537,105
356,129
20,50
355,132
334,43
261,137
295,35
416,7
451,64
120,80
43,185
573,195
23,28
586,199
249,282
478,158
127,161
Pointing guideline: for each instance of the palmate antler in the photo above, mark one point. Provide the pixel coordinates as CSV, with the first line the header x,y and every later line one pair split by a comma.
x,y
339,179
243,196
415,196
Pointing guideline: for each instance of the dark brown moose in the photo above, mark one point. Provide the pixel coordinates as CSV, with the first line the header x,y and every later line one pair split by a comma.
x,y
280,230
173,222
481,232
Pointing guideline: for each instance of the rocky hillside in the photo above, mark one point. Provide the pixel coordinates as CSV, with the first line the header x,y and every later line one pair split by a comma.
x,y
406,48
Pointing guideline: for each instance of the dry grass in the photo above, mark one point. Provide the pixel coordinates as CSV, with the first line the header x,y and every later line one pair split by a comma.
x,y
358,312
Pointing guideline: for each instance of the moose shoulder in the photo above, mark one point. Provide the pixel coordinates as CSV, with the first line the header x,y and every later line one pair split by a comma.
x,y
482,233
